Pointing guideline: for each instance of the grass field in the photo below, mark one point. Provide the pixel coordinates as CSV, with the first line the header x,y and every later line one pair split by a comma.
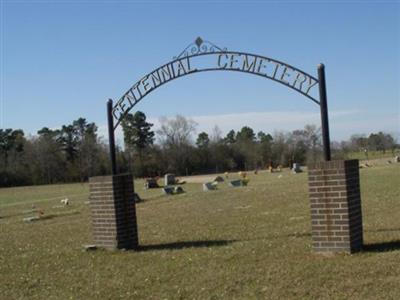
x,y
252,242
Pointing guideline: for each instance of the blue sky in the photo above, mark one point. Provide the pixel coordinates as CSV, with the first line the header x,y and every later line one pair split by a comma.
x,y
61,60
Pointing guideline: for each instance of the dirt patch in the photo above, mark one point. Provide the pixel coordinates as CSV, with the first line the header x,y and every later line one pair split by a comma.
x,y
198,178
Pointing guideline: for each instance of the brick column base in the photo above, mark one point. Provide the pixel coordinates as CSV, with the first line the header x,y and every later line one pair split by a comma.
x,y
334,189
113,209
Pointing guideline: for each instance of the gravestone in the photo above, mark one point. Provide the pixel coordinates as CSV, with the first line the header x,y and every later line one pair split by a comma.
x,y
178,190
218,179
168,190
235,183
151,183
209,186
296,168
172,190
31,219
169,179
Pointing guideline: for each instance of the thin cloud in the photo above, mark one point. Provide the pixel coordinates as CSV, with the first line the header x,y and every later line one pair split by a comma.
x,y
265,121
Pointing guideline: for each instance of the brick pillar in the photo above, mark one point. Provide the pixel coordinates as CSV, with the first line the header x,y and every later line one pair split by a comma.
x,y
113,211
334,188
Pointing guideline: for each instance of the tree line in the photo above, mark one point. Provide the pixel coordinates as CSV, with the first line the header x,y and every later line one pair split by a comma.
x,y
69,154
75,152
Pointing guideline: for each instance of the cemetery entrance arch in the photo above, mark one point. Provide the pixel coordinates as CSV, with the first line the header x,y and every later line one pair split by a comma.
x,y
204,56
333,185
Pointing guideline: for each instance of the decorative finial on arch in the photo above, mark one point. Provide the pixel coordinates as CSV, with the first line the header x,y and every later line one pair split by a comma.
x,y
200,46
199,41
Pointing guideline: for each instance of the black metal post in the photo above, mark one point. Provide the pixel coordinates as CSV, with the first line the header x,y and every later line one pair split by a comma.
x,y
111,137
324,112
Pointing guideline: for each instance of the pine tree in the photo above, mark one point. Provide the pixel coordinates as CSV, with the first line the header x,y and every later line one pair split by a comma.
x,y
137,136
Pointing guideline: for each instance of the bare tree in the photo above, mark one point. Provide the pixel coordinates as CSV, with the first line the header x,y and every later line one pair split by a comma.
x,y
177,131
313,141
176,138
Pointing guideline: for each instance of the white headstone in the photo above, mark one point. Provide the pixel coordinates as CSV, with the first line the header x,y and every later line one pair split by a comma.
x,y
169,179
296,168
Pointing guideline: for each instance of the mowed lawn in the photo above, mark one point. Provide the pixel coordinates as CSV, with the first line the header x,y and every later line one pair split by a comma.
x,y
251,242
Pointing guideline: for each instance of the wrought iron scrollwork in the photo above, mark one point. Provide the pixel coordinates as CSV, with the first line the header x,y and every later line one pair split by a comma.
x,y
200,46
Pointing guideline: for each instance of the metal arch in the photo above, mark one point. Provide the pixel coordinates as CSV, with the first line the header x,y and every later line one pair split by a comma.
x,y
214,69
201,47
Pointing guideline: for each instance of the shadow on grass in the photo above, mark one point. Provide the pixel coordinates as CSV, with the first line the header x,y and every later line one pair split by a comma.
x,y
382,230
52,216
280,236
44,217
186,244
382,247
